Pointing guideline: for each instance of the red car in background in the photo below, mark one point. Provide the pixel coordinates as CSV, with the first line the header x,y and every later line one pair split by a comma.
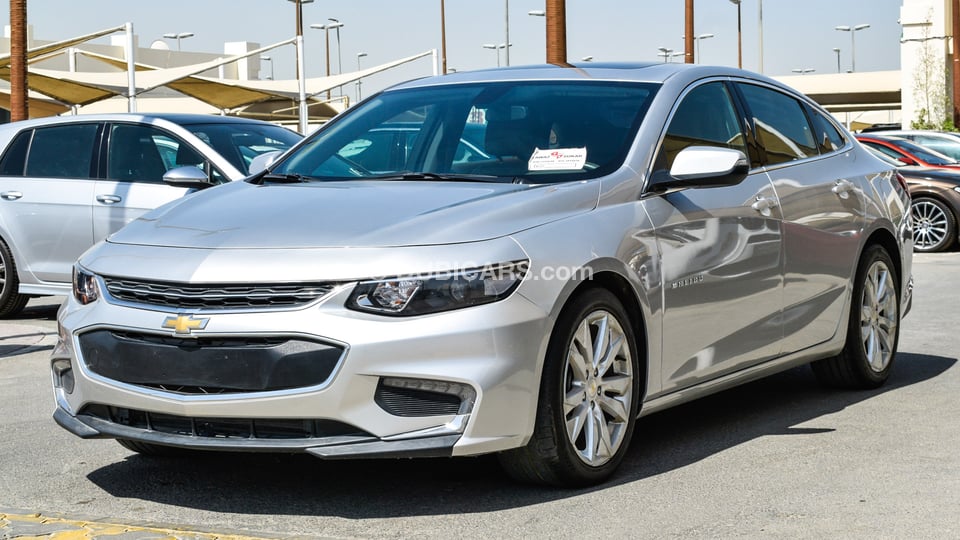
x,y
908,152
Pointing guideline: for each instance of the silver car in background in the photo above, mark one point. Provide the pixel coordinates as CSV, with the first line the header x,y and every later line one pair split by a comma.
x,y
68,182
625,238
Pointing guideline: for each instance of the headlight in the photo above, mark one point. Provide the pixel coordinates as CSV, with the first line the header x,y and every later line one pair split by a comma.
x,y
85,288
419,295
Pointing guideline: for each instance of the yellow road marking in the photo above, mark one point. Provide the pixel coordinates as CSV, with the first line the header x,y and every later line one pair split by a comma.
x,y
40,527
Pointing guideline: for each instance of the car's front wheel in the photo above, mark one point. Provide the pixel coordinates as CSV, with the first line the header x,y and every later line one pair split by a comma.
x,y
11,301
873,328
589,397
934,226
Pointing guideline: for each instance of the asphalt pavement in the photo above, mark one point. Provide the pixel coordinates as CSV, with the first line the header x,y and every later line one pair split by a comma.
x,y
777,458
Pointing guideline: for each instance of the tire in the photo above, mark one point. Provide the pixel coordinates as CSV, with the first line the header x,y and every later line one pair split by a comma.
x,y
873,328
934,225
11,301
150,449
600,406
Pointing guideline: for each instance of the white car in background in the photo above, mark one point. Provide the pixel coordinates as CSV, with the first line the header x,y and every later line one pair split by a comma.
x,y
68,182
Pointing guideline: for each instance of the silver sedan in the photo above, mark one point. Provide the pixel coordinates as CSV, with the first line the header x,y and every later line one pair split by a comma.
x,y
546,254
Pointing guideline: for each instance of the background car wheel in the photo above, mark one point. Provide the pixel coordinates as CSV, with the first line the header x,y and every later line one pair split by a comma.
x,y
934,226
589,397
873,329
11,301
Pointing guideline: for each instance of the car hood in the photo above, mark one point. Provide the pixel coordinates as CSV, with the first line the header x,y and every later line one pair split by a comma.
x,y
355,214
911,172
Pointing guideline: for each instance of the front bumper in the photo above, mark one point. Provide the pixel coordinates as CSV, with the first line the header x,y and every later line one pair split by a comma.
x,y
486,348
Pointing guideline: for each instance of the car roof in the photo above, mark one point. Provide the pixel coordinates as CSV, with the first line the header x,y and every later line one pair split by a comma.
x,y
183,119
653,72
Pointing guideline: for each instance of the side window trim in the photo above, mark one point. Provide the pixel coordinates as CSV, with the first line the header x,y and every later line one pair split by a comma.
x,y
757,154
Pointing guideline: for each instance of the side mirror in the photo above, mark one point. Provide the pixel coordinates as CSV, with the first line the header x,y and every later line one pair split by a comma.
x,y
704,166
262,161
187,176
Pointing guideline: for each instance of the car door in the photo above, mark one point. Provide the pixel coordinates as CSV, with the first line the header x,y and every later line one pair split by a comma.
x,y
45,192
137,157
822,200
720,250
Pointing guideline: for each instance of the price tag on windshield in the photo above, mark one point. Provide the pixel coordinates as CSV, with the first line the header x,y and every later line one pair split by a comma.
x,y
557,159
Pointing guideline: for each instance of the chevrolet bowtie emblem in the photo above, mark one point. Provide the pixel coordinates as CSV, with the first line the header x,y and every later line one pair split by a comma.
x,y
184,324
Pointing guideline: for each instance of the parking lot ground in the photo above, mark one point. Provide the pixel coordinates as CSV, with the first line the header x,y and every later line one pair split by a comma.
x,y
35,526
777,458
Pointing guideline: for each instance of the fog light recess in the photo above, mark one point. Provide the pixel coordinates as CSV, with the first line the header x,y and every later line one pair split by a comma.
x,y
424,397
63,374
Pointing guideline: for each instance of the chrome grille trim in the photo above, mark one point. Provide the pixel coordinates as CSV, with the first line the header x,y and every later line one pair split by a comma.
x,y
216,295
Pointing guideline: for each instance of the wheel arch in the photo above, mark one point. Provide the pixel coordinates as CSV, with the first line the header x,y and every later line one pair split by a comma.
x,y
606,275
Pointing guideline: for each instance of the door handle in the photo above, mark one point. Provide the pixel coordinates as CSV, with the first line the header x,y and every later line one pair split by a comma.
x,y
843,188
764,205
109,199
11,195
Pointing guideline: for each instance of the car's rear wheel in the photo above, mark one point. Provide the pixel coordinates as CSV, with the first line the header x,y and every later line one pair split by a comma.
x,y
589,397
873,328
934,226
11,301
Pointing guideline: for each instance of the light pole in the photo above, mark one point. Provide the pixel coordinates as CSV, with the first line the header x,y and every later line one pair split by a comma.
x,y
326,39
266,58
696,40
853,42
760,27
739,35
506,26
495,48
803,71
667,54
359,56
338,25
302,111
837,50
178,36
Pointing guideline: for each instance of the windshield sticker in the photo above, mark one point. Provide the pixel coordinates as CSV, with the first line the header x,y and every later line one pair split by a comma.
x,y
558,159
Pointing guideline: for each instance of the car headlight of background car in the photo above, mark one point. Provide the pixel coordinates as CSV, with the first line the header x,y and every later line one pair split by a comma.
x,y
85,288
420,295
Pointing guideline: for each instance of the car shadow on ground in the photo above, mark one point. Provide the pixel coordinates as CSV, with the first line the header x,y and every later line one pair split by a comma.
x,y
299,485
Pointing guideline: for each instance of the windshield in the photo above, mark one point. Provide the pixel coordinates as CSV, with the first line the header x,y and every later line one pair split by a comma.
x,y
240,142
530,131
927,155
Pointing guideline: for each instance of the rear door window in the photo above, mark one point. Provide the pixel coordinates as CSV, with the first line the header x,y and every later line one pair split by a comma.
x,y
780,124
62,151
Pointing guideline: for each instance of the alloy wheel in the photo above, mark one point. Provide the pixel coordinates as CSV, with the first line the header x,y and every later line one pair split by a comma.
x,y
878,316
930,224
598,388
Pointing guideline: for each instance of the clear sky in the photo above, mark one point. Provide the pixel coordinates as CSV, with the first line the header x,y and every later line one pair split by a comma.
x,y
796,35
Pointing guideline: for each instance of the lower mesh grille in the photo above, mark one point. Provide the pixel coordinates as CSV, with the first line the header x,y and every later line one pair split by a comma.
x,y
208,365
414,402
224,428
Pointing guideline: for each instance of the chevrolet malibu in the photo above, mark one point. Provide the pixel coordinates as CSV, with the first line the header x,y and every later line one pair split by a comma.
x,y
625,238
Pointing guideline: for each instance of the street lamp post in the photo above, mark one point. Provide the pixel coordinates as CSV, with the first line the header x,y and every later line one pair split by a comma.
x,y
739,35
326,35
338,25
668,53
359,56
495,48
696,40
837,50
506,26
853,42
266,58
178,36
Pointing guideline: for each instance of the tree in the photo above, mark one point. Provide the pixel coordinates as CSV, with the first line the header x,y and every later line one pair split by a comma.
x,y
930,84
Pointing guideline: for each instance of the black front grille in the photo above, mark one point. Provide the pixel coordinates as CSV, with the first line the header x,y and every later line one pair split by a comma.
x,y
211,365
412,402
216,296
223,428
